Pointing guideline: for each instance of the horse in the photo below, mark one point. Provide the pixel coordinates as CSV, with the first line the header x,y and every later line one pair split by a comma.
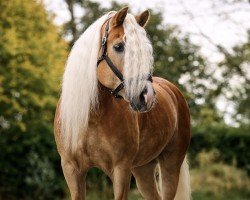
x,y
113,115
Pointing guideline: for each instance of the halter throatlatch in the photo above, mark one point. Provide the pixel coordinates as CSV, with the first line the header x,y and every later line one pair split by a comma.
x,y
104,56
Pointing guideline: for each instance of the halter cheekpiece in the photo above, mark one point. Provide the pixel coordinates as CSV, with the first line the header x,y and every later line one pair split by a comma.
x,y
104,56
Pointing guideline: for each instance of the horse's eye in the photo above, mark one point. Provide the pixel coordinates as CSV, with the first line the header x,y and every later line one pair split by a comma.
x,y
119,47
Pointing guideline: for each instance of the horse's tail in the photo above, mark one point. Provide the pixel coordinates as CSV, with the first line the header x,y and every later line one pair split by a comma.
x,y
184,188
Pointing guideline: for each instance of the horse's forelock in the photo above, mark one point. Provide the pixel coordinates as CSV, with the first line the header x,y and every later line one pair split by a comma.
x,y
138,57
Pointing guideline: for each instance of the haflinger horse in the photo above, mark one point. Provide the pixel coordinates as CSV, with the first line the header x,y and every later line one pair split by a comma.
x,y
147,127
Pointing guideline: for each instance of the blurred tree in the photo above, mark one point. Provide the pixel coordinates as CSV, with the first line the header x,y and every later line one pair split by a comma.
x,y
179,61
232,143
31,61
70,27
236,83
74,27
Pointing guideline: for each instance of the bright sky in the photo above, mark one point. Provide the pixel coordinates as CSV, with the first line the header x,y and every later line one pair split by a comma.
x,y
223,23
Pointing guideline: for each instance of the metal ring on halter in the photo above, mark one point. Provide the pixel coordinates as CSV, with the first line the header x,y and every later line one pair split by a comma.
x,y
104,56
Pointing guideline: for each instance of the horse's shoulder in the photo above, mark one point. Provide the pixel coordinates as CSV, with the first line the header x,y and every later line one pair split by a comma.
x,y
57,113
57,128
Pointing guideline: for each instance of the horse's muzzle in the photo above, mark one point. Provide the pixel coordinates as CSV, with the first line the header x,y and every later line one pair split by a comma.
x,y
146,99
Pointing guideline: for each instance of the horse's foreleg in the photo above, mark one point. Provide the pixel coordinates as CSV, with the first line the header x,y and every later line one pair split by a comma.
x,y
121,183
75,180
146,182
170,164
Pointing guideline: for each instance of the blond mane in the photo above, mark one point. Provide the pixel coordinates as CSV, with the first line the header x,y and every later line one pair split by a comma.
x,y
79,87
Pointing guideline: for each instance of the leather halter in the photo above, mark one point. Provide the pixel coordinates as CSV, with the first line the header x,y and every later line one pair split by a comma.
x,y
104,56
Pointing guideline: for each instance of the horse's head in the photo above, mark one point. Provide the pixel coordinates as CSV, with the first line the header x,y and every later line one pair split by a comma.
x,y
126,59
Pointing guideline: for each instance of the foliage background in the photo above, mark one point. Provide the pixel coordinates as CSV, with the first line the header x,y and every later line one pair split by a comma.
x,y
33,52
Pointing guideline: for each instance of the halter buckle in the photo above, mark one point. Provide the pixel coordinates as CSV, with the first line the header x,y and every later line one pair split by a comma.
x,y
104,40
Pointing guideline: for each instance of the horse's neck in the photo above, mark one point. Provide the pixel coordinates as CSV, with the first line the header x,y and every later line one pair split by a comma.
x,y
105,99
108,106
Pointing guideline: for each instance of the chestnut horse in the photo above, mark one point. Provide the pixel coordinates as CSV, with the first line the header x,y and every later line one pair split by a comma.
x,y
148,126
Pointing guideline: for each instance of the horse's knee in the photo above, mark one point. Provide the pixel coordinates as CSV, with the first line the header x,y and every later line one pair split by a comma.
x,y
75,180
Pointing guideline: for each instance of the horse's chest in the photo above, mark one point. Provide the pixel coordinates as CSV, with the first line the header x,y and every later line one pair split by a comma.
x,y
111,142
154,136
126,138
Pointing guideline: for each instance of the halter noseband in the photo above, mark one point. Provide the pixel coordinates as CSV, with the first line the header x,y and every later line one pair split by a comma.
x,y
104,56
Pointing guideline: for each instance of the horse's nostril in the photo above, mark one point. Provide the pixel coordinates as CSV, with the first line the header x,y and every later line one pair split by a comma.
x,y
142,97
145,91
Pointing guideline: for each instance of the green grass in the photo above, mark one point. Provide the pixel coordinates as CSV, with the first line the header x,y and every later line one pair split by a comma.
x,y
197,195
232,195
96,195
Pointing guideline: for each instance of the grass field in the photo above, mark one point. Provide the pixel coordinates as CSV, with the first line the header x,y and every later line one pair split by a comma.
x,y
197,195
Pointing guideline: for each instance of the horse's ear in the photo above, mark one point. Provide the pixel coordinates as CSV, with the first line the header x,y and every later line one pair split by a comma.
x,y
143,18
119,17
